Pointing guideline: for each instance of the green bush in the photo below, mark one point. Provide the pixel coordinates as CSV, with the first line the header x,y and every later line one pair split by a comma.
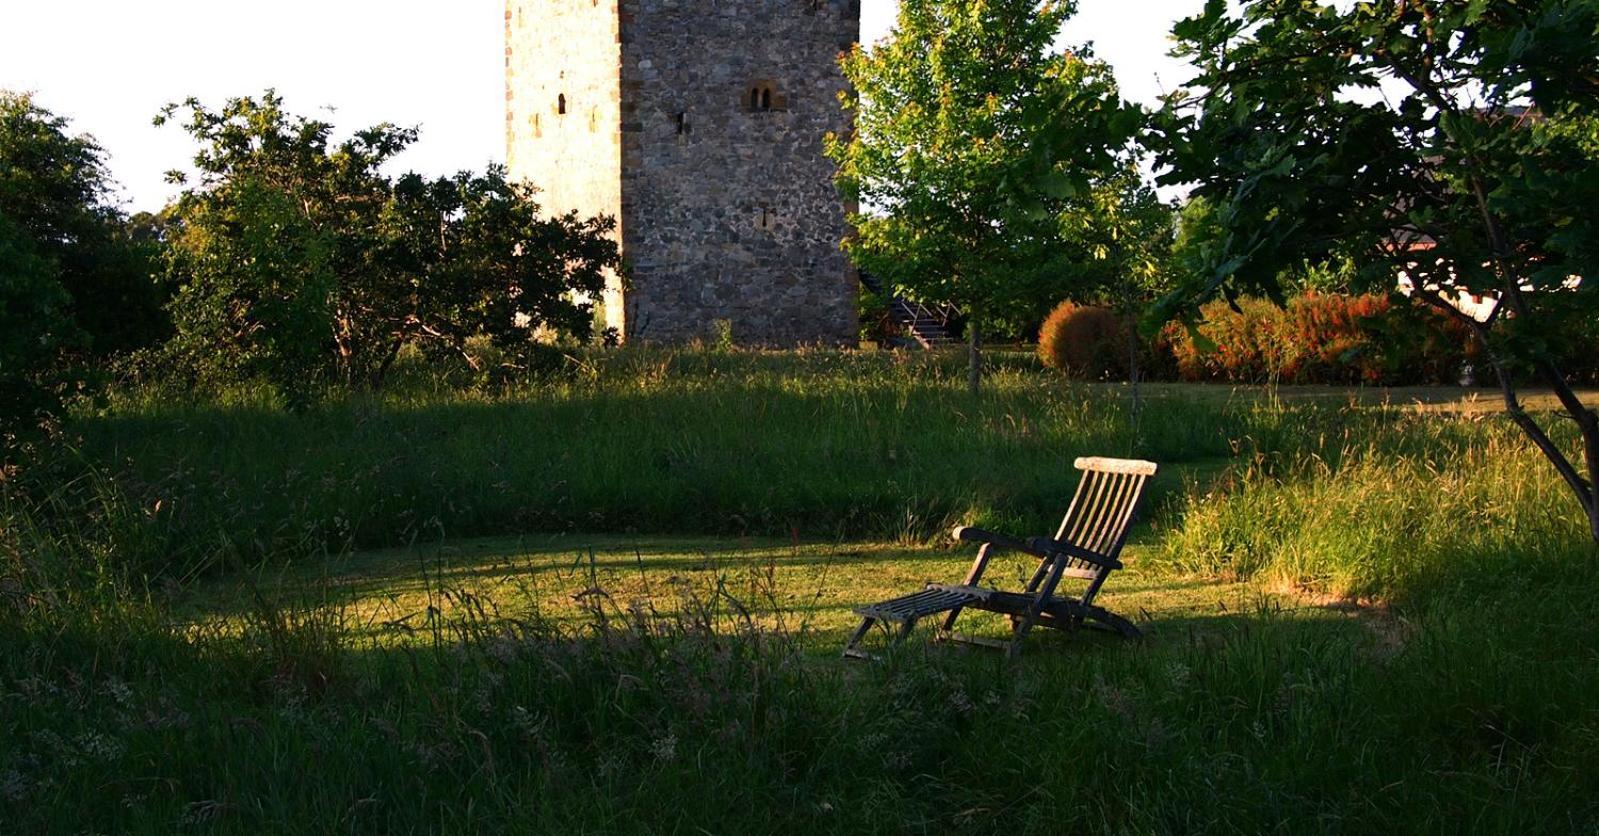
x,y
35,333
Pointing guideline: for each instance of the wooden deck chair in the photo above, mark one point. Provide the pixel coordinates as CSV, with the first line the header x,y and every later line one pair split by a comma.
x,y
1086,547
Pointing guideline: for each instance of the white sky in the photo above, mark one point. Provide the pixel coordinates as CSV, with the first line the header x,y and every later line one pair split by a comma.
x,y
110,65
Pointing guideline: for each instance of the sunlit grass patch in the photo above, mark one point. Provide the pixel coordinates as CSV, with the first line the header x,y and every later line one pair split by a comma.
x,y
392,596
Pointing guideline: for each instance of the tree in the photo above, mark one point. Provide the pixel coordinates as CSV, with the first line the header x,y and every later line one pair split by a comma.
x,y
974,147
1128,235
254,288
296,257
55,189
478,259
35,333
1451,143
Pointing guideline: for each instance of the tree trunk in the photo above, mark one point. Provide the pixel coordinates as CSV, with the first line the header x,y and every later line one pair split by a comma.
x,y
1132,377
1589,495
974,357
1593,519
1586,487
1588,425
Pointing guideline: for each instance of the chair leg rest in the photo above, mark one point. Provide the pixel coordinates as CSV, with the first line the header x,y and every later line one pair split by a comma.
x,y
852,647
962,638
1113,623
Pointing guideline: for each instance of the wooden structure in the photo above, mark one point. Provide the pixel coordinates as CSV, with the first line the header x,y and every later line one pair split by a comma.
x,y
927,327
1087,547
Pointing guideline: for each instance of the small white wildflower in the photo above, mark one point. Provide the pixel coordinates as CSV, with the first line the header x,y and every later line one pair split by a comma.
x,y
118,691
99,747
665,748
609,765
524,722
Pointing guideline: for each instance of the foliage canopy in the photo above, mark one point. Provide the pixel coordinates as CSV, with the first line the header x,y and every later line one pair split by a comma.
x,y
295,256
977,152
1450,143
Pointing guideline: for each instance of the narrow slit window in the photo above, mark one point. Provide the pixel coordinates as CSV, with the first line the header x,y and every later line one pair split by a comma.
x,y
560,104
766,99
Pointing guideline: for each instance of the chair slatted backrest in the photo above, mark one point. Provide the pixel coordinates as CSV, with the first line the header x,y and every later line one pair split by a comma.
x,y
1102,510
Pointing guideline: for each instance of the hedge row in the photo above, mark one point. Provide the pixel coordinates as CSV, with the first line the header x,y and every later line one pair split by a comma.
x,y
1314,339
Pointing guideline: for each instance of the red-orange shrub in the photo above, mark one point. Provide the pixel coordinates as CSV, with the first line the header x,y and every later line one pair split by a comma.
x,y
1328,339
1320,338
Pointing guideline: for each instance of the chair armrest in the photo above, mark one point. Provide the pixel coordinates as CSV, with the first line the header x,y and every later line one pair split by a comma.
x,y
1074,551
970,534
1040,547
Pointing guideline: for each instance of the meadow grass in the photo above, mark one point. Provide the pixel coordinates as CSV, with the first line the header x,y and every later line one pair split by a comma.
x,y
1361,616
816,446
1241,712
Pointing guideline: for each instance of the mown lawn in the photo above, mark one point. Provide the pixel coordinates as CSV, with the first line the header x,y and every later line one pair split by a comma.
x,y
809,590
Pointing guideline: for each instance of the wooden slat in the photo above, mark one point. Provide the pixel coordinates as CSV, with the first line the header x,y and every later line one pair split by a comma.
x,y
962,638
1095,497
1125,515
1077,499
1095,519
918,605
1105,530
1133,467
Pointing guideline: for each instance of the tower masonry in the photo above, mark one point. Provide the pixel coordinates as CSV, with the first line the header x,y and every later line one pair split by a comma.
x,y
698,125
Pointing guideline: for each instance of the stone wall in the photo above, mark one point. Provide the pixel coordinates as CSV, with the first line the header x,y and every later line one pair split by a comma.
x,y
699,125
566,50
729,206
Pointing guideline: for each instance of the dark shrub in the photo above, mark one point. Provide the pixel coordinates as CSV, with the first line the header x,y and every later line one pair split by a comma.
x,y
1086,342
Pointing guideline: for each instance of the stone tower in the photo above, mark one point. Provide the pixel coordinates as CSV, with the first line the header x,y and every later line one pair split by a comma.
x,y
698,125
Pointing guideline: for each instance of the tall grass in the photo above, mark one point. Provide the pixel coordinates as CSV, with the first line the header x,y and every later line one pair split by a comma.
x,y
1470,708
1255,720
815,446
1400,508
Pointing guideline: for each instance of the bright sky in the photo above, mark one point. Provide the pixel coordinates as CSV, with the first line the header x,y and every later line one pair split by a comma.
x,y
110,65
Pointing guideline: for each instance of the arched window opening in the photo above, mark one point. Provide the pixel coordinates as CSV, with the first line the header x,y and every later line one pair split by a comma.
x,y
560,104
765,97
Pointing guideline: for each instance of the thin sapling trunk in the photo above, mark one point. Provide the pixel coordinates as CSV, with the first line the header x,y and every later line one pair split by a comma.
x,y
974,357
